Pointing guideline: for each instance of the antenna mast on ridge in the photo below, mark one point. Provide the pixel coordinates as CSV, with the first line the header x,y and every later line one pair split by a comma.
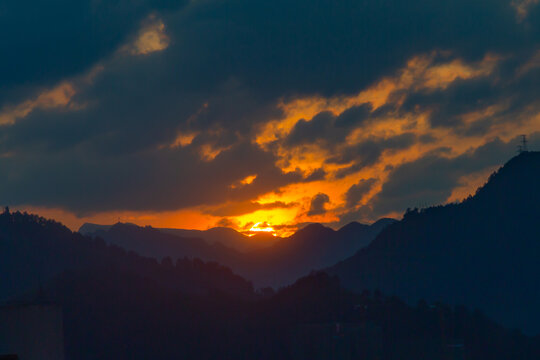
x,y
523,147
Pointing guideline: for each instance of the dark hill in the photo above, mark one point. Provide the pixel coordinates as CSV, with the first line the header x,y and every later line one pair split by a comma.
x,y
34,250
109,314
483,252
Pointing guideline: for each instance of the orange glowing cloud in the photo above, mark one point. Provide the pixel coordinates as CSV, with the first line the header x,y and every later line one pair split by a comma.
x,y
281,210
421,73
151,38
522,7
59,96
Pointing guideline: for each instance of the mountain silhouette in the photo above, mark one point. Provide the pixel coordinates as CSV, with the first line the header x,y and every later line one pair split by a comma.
x,y
306,250
310,248
116,304
217,235
158,244
33,251
483,252
228,237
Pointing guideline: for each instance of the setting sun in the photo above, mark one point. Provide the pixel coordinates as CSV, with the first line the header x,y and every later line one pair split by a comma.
x,y
262,227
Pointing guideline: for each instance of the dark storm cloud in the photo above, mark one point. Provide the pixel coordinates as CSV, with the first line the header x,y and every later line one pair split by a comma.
x,y
431,179
316,175
330,47
46,41
327,128
368,152
329,131
226,66
515,91
226,222
357,191
353,116
165,179
317,205
311,131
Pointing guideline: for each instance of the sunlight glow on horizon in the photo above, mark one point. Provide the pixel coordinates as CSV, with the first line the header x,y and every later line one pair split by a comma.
x,y
263,227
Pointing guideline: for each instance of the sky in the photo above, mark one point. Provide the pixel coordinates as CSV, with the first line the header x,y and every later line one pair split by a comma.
x,y
260,114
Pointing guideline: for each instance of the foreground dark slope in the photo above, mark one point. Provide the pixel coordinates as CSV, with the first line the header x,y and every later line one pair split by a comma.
x,y
483,252
109,314
118,305
34,250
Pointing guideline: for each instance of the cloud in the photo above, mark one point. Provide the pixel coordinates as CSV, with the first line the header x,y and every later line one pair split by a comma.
x,y
522,7
317,206
246,207
327,128
165,105
152,37
431,179
51,41
154,180
59,96
357,191
316,175
368,152
226,222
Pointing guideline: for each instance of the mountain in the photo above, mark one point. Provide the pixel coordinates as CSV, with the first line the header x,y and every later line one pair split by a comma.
x,y
228,237
220,235
155,243
118,305
483,252
355,235
89,229
34,250
310,248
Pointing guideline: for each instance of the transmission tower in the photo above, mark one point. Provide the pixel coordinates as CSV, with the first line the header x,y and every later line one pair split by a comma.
x,y
523,147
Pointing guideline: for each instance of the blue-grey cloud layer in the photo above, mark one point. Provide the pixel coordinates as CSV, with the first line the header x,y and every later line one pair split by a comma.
x,y
227,65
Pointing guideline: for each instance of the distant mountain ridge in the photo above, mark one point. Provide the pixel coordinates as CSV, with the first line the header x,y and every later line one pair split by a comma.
x,y
281,263
483,252
228,237
152,242
309,249
223,235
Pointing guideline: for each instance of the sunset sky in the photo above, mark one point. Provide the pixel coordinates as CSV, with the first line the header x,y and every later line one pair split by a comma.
x,y
208,113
